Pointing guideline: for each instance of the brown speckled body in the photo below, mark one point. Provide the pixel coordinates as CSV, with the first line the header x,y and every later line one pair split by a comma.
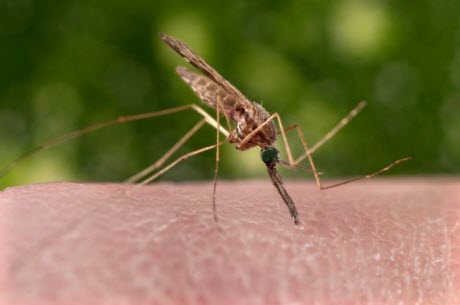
x,y
247,115
211,86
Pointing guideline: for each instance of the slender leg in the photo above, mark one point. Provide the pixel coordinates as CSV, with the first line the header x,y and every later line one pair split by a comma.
x,y
333,131
221,106
120,120
173,149
216,168
354,112
160,162
308,152
167,155
175,162
315,172
286,143
289,128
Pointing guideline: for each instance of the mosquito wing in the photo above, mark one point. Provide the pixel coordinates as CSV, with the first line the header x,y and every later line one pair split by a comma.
x,y
207,90
199,63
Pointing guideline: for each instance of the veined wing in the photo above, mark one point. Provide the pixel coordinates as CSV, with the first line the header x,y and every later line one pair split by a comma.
x,y
199,63
207,90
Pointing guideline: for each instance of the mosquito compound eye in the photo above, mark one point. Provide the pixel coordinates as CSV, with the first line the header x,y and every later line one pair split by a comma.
x,y
269,155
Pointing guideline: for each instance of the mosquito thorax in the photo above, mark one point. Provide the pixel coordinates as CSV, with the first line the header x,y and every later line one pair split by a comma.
x,y
269,155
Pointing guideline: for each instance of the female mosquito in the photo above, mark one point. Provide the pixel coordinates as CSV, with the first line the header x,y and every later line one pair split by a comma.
x,y
255,126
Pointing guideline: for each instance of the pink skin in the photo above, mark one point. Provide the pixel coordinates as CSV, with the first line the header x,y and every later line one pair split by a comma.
x,y
377,242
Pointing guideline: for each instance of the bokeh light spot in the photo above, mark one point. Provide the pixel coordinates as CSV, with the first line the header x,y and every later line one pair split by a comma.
x,y
397,82
359,28
317,117
52,166
269,76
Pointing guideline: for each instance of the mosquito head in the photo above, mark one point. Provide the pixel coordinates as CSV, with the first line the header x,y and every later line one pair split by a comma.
x,y
269,155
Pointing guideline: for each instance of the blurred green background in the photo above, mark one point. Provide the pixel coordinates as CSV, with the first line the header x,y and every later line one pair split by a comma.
x,y
68,64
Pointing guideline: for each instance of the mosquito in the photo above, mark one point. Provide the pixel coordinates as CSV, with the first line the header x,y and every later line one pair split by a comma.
x,y
254,127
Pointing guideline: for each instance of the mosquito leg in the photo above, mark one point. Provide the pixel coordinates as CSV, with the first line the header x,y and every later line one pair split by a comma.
x,y
370,175
160,162
120,120
316,174
207,118
286,143
333,131
304,142
219,105
216,168
289,128
175,162
308,153
167,155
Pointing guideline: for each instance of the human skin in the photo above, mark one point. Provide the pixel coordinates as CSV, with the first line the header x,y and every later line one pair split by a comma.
x,y
382,241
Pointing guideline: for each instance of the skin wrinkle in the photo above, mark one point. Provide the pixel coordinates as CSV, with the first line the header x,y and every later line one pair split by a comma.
x,y
407,247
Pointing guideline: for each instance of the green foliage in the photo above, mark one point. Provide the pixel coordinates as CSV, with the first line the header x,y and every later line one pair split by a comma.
x,y
68,64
